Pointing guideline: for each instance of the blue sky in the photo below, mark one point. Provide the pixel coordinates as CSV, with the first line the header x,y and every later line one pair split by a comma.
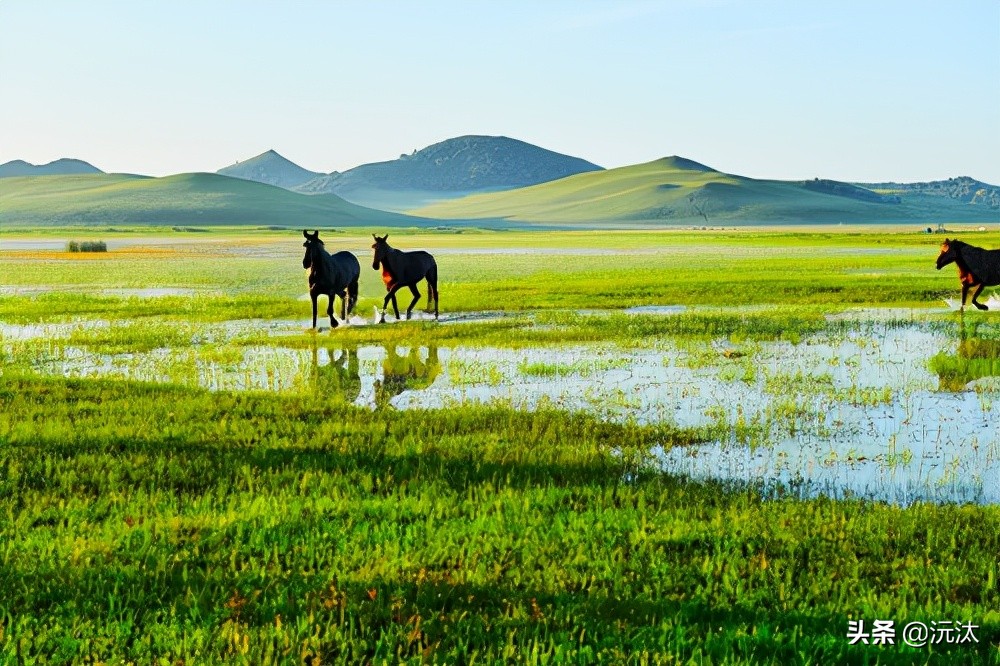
x,y
877,90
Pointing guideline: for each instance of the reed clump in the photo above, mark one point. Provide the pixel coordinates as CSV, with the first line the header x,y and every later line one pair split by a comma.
x,y
86,246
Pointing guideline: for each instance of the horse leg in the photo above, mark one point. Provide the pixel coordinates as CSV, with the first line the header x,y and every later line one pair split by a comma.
x,y
329,309
979,305
391,296
343,305
965,292
313,296
416,297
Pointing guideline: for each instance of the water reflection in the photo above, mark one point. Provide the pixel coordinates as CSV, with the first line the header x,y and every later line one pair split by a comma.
x,y
977,356
877,409
410,372
336,372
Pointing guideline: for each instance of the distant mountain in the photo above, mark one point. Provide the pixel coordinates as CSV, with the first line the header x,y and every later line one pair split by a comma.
x,y
62,167
675,190
190,199
270,168
963,189
449,169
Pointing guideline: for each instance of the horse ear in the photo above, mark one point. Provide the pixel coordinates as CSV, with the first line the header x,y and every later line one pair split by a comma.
x,y
305,233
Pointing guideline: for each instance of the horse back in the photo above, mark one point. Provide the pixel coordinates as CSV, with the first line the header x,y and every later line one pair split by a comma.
x,y
342,269
349,265
983,264
411,267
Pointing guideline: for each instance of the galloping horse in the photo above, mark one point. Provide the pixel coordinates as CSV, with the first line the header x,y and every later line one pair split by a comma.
x,y
405,269
333,275
976,266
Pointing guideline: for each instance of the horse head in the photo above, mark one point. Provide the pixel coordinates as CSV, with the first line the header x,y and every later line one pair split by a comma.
x,y
312,242
381,248
949,253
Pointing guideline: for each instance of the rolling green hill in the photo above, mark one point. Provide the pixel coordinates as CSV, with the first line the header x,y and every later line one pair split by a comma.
x,y
184,199
675,190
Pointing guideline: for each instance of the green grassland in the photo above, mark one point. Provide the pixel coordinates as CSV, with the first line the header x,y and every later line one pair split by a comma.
x,y
185,199
259,273
160,523
674,190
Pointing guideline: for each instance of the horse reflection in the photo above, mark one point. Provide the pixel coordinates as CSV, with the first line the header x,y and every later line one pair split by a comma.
x,y
975,358
405,373
338,374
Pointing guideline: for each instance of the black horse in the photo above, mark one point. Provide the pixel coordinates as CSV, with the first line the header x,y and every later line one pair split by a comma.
x,y
976,266
333,275
405,269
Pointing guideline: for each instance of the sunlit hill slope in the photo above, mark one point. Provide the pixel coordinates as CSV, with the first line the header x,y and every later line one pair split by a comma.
x,y
677,190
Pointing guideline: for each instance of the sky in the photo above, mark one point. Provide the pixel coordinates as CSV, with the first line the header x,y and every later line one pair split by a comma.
x,y
860,91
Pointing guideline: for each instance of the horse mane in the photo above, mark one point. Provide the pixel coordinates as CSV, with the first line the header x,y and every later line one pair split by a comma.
x,y
319,251
390,251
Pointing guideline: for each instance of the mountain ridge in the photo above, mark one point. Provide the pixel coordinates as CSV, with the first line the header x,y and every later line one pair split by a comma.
x,y
63,166
668,190
448,169
270,168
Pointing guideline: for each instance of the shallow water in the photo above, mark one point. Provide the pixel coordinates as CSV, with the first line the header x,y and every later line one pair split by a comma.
x,y
151,292
856,413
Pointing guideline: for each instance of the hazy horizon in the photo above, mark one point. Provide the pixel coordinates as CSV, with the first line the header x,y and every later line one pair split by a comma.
x,y
895,91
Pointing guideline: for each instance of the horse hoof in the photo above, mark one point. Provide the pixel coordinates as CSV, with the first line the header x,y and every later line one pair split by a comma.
x,y
981,306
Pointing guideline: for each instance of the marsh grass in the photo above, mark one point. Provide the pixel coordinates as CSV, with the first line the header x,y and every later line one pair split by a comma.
x,y
147,523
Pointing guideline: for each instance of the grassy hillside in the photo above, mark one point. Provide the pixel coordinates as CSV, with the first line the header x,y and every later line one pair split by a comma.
x,y
185,199
677,190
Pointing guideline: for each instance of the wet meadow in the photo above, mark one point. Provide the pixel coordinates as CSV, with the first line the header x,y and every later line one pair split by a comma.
x,y
705,447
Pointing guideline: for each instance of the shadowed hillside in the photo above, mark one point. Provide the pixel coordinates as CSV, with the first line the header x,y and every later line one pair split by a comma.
x,y
449,169
269,168
962,189
60,167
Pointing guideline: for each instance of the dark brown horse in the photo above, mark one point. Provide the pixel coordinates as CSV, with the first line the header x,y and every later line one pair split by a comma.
x,y
405,269
333,275
977,267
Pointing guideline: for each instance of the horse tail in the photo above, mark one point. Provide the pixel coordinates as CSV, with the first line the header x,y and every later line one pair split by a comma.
x,y
352,295
432,285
